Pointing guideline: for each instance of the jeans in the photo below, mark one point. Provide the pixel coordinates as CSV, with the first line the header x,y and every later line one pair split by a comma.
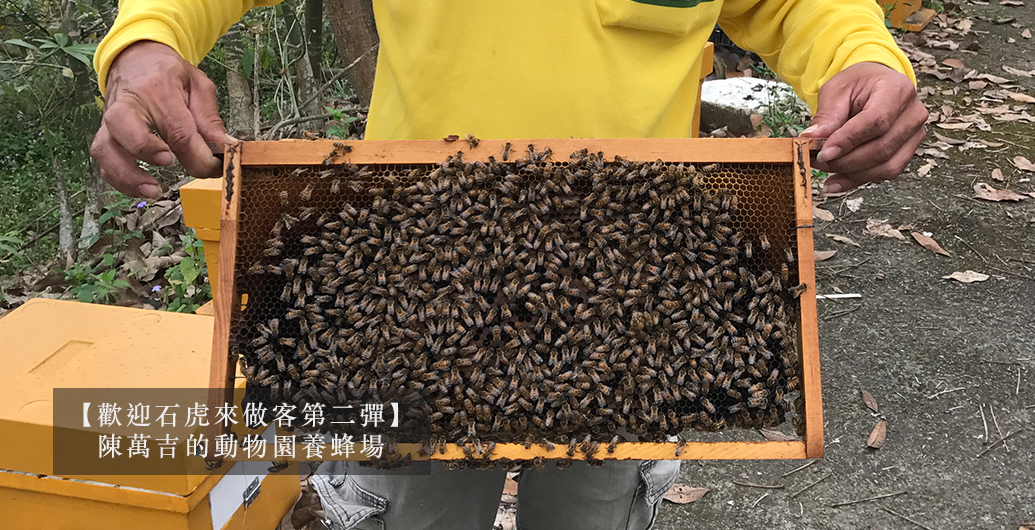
x,y
619,495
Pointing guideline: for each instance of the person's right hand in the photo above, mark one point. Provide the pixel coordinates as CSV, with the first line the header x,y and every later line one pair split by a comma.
x,y
151,88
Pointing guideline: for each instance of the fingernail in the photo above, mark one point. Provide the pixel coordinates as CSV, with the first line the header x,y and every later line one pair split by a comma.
x,y
150,191
809,130
828,153
230,139
164,158
833,187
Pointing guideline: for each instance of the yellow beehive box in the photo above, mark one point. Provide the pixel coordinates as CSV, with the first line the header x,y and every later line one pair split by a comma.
x,y
50,344
200,200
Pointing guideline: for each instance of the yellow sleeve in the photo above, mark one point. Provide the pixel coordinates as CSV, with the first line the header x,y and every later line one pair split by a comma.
x,y
187,26
807,42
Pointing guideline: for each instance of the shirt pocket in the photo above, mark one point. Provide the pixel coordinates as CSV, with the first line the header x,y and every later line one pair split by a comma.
x,y
674,17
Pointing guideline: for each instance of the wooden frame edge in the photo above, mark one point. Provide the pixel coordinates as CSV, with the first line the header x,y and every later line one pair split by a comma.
x,y
317,152
761,450
808,331
223,365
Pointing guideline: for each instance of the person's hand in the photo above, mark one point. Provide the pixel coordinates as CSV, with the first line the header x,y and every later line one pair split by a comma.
x,y
151,88
873,122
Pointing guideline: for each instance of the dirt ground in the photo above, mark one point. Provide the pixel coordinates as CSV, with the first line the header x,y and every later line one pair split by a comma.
x,y
935,353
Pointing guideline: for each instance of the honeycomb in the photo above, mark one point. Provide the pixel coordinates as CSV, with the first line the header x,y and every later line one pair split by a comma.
x,y
529,300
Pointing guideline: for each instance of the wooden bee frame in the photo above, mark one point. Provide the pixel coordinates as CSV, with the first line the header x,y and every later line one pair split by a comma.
x,y
793,153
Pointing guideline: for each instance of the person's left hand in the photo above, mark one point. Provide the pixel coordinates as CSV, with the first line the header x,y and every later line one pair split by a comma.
x,y
873,122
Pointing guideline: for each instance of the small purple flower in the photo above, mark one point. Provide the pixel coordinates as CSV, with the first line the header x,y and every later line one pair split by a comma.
x,y
156,289
141,204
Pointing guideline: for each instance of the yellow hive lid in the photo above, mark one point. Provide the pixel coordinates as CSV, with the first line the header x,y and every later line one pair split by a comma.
x,y
47,344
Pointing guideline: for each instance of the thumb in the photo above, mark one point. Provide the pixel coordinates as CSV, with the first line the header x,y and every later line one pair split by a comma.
x,y
833,109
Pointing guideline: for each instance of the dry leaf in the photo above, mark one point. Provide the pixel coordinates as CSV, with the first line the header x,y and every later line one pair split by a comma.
x,y
823,255
1011,3
966,277
955,126
510,487
879,434
777,436
1023,164
953,63
821,214
870,401
994,78
1026,33
929,243
991,144
948,140
988,193
854,204
926,168
843,239
997,174
683,494
977,85
1017,96
880,227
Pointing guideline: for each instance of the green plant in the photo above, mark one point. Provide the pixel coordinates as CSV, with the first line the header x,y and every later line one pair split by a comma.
x,y
935,5
97,284
888,8
188,289
10,245
819,179
101,283
340,129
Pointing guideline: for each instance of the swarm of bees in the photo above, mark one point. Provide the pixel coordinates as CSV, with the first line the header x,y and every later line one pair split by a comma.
x,y
529,300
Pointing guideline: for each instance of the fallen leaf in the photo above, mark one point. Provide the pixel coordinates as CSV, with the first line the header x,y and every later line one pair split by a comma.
x,y
953,63
1011,3
879,434
870,401
948,140
880,227
510,487
683,494
823,255
926,168
955,126
854,204
777,436
1023,164
1026,33
1017,96
821,214
966,277
991,144
929,243
988,193
977,85
994,78
843,239
997,174
1011,40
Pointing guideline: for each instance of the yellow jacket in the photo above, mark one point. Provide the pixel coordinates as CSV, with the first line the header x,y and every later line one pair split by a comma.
x,y
551,68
